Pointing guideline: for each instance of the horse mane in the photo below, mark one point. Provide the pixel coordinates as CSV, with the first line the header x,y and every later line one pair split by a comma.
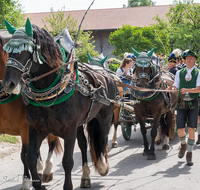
x,y
3,54
49,49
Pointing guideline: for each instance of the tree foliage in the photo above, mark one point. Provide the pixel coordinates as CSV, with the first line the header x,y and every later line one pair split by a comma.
x,y
183,25
56,22
11,10
139,3
139,38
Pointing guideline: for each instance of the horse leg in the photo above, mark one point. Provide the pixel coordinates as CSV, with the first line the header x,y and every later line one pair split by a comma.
x,y
152,155
67,161
168,125
116,120
26,176
54,143
144,132
35,141
158,138
39,165
82,143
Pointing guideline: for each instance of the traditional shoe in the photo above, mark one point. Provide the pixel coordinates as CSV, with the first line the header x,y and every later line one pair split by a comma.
x,y
182,150
198,140
189,158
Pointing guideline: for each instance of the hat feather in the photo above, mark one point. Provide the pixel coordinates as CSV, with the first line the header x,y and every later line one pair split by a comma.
x,y
177,52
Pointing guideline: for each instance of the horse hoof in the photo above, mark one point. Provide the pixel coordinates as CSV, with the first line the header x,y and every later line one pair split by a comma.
x,y
85,183
158,142
104,174
165,147
40,176
151,157
41,188
47,177
145,153
114,145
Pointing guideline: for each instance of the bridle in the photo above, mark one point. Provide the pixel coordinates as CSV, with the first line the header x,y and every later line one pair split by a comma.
x,y
143,75
29,46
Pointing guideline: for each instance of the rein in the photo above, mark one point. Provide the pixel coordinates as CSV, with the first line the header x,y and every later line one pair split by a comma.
x,y
121,84
52,71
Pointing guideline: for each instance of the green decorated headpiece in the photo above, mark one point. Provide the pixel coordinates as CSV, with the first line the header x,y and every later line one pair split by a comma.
x,y
11,29
143,59
97,61
21,40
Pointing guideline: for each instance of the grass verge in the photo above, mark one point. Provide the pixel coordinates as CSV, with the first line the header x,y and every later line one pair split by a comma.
x,y
8,138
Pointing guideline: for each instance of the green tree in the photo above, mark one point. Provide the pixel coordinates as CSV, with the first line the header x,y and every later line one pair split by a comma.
x,y
140,3
56,22
11,10
182,26
139,38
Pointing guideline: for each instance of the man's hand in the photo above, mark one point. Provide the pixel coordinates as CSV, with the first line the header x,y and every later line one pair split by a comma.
x,y
169,88
184,90
172,88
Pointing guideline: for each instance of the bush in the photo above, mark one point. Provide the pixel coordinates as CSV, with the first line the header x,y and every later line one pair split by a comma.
x,y
114,64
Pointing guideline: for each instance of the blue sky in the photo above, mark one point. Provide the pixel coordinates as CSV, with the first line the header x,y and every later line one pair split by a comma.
x,y
31,6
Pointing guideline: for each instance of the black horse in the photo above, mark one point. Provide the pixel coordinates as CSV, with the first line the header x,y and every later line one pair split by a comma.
x,y
159,105
37,53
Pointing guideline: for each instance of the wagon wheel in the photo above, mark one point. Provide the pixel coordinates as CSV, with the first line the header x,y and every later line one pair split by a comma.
x,y
126,130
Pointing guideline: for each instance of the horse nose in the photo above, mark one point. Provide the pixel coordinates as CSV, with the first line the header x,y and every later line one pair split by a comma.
x,y
8,85
142,84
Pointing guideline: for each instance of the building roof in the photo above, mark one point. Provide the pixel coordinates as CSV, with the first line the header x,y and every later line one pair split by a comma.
x,y
105,19
109,19
4,33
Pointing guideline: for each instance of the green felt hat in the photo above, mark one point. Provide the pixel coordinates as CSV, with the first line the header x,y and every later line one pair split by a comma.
x,y
190,52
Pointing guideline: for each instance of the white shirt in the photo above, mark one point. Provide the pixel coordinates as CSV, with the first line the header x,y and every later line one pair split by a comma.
x,y
188,75
120,72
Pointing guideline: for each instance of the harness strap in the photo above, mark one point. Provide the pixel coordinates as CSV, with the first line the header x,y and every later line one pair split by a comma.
x,y
11,62
52,92
88,114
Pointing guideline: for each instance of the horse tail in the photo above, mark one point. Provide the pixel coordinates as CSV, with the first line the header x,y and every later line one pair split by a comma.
x,y
167,124
172,127
93,129
54,139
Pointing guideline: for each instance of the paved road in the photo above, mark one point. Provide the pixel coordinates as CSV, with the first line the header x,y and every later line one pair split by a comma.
x,y
128,168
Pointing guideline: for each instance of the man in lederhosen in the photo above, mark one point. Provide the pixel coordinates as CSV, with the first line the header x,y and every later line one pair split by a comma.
x,y
187,80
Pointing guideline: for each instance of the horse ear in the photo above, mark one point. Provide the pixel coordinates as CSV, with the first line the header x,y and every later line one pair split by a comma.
x,y
151,52
104,59
135,52
28,28
11,29
89,56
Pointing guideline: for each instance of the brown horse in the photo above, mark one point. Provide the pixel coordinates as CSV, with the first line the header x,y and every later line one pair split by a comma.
x,y
159,105
14,122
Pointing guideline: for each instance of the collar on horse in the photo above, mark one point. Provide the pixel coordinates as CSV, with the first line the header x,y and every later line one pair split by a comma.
x,y
60,90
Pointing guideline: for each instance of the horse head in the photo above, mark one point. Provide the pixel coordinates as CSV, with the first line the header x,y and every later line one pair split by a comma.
x,y
99,61
143,67
31,51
